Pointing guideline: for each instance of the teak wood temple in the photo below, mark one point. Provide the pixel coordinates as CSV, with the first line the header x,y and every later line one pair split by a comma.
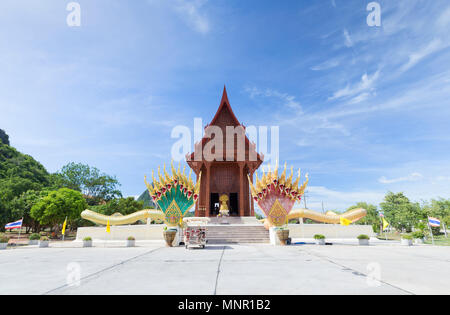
x,y
225,176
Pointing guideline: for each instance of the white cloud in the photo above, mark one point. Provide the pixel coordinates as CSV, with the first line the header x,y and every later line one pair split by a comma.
x,y
190,10
366,84
432,47
288,100
329,64
444,19
339,200
411,178
348,39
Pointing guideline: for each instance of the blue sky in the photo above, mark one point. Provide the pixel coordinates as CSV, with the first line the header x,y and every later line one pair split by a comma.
x,y
363,109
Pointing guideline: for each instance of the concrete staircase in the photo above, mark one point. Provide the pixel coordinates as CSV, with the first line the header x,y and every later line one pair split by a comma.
x,y
237,233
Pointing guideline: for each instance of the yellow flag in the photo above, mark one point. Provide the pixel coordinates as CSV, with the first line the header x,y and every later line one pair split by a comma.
x,y
345,222
64,227
385,224
108,227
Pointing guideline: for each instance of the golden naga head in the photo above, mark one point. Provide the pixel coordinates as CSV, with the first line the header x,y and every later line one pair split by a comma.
x,y
178,180
273,182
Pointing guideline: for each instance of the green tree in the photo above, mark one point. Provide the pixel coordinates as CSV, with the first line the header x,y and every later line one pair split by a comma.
x,y
400,212
52,209
372,217
123,206
94,185
21,207
440,209
19,173
4,138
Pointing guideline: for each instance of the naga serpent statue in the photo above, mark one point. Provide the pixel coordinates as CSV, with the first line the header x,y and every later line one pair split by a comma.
x,y
276,196
175,196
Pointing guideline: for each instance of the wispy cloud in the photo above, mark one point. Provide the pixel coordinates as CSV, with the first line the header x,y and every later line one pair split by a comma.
x,y
414,58
288,100
411,178
339,200
328,64
365,86
191,12
348,40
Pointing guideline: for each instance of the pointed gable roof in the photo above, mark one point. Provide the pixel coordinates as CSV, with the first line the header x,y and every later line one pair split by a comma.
x,y
224,117
224,106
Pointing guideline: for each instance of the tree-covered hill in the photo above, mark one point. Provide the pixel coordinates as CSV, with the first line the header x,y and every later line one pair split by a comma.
x,y
19,173
148,202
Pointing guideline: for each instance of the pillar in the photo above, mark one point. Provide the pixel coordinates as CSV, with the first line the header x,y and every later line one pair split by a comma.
x,y
241,190
208,194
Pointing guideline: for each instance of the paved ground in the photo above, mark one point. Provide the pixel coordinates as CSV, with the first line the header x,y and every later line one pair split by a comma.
x,y
232,269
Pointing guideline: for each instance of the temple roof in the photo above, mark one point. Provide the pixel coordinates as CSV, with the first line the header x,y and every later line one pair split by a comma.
x,y
221,111
224,117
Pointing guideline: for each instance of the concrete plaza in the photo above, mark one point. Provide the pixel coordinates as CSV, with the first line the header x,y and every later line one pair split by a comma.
x,y
152,268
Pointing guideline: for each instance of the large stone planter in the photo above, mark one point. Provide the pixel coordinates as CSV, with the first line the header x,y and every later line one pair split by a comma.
x,y
169,237
33,242
283,236
87,243
364,242
406,242
43,244
419,241
131,243
3,246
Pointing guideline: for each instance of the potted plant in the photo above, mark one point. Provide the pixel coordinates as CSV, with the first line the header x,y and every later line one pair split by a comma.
x,y
320,239
418,237
131,241
34,239
363,240
169,236
4,241
406,240
283,235
87,241
43,243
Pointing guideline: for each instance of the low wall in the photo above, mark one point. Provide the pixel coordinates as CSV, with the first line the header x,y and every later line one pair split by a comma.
x,y
155,231
329,230
122,232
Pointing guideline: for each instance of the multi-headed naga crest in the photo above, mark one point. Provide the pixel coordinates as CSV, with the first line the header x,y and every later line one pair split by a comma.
x,y
276,195
175,194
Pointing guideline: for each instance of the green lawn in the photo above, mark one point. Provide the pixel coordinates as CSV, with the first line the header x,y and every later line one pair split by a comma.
x,y
440,240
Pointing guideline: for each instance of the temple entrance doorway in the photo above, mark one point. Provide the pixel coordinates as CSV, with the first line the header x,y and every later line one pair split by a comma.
x,y
215,204
234,204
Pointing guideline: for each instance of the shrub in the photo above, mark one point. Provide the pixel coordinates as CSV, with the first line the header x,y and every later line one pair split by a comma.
x,y
87,239
44,239
35,237
131,238
319,237
363,237
4,239
418,234
407,236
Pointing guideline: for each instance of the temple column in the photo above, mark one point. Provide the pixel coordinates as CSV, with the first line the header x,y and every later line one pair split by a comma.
x,y
208,194
241,190
251,198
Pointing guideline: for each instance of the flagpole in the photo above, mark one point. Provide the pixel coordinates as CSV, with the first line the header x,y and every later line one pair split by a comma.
x,y
431,231
20,229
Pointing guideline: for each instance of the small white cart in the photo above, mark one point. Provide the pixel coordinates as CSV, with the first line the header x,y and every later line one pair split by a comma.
x,y
195,232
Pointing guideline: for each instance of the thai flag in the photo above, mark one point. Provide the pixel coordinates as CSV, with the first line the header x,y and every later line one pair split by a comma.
x,y
434,222
14,225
